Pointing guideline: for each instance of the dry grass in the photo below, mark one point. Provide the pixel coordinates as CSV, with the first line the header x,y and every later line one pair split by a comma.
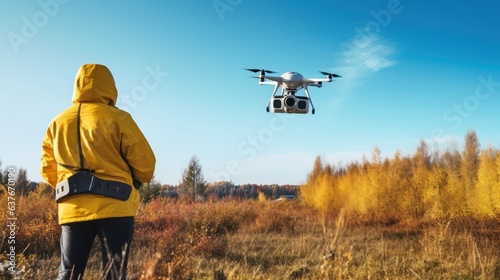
x,y
269,240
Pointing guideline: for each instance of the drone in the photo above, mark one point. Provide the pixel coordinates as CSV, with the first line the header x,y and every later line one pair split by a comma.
x,y
290,83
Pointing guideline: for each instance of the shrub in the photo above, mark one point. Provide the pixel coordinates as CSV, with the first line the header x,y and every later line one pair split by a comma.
x,y
37,231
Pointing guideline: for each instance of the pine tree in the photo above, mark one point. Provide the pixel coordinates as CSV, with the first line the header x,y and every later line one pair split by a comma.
x,y
193,183
151,190
22,182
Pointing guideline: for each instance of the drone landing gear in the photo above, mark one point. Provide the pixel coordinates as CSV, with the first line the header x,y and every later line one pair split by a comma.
x,y
267,109
310,100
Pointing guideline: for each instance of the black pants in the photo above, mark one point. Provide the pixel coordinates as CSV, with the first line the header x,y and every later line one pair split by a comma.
x,y
115,236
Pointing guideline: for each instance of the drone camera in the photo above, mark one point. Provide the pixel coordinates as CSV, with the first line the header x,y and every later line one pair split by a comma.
x,y
290,104
302,105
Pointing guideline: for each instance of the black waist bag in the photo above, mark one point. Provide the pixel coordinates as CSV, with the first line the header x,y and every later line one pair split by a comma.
x,y
84,182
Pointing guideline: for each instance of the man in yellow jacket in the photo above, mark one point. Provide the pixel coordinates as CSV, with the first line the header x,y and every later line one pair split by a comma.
x,y
96,157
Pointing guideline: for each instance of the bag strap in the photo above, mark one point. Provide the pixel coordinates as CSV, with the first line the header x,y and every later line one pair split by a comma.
x,y
79,135
80,151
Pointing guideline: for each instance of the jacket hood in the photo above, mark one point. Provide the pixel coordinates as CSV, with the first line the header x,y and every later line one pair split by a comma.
x,y
95,83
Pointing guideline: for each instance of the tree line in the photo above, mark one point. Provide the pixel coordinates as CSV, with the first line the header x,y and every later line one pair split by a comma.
x,y
427,183
192,187
215,191
20,176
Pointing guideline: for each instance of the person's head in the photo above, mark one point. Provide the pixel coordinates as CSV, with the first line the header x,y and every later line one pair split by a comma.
x,y
95,83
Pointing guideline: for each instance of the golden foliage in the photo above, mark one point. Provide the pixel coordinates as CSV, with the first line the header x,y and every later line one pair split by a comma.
x,y
486,195
425,184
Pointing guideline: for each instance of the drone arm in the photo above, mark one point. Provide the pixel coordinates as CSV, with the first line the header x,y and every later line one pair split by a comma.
x,y
273,78
267,83
315,84
327,80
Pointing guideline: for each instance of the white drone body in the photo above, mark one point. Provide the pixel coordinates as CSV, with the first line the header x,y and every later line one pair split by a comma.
x,y
291,83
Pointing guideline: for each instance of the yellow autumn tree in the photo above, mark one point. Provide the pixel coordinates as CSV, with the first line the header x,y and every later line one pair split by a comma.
x,y
451,198
308,192
486,195
434,204
398,180
361,193
419,181
348,185
427,183
470,165
319,191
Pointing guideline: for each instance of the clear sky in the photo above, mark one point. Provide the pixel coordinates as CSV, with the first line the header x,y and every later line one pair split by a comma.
x,y
411,70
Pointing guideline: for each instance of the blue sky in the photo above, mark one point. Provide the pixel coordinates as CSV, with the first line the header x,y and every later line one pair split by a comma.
x,y
411,70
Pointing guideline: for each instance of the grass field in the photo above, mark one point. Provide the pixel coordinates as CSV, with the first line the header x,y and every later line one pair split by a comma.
x,y
269,240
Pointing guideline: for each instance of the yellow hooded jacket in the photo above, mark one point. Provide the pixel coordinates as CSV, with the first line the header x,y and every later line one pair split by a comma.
x,y
111,142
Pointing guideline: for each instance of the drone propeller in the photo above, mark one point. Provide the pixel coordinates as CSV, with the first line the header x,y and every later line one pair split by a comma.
x,y
262,71
330,75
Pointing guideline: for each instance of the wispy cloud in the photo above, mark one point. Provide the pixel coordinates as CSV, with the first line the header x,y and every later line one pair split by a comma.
x,y
361,56
366,55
